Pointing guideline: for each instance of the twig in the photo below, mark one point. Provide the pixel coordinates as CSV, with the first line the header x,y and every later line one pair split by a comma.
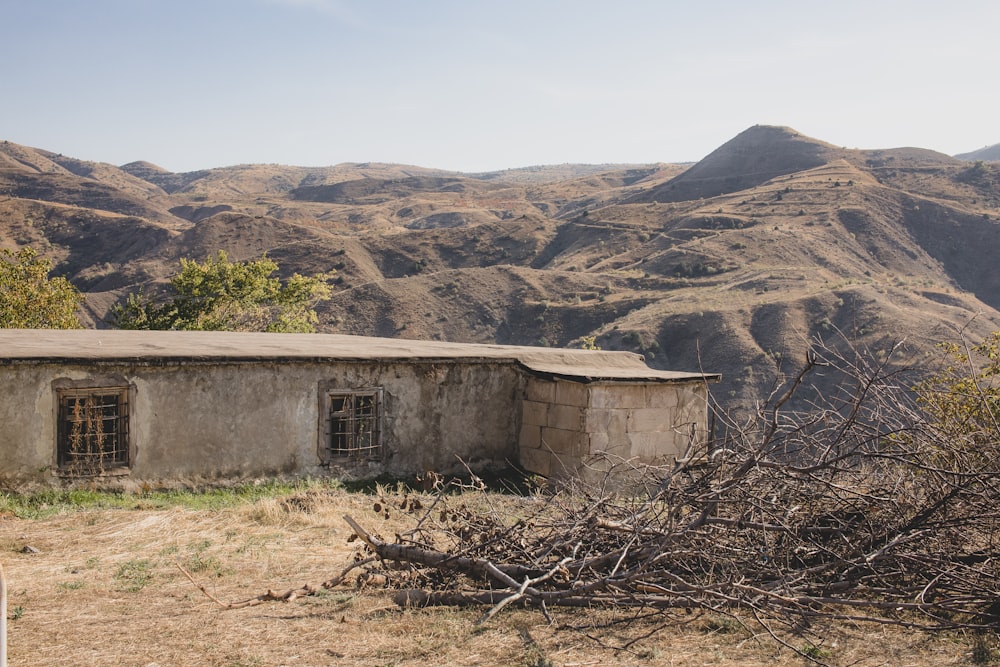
x,y
527,585
3,618
271,596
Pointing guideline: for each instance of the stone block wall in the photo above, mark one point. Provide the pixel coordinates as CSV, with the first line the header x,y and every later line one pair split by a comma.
x,y
568,428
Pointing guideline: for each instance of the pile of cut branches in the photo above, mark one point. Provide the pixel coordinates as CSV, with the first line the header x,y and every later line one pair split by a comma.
x,y
856,507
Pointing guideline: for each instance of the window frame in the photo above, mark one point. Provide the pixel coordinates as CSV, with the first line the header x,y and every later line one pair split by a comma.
x,y
358,423
114,408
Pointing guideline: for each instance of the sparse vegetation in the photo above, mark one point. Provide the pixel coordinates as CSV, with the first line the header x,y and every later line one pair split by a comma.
x,y
52,502
287,535
134,575
978,174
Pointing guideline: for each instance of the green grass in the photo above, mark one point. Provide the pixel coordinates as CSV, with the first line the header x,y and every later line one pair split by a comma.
x,y
70,585
56,501
133,575
199,561
51,502
815,652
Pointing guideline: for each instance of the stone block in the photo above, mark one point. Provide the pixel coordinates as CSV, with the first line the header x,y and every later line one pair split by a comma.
x,y
652,447
566,417
542,391
618,396
693,401
534,413
530,436
537,461
602,443
599,443
663,395
649,420
597,420
564,443
605,419
572,393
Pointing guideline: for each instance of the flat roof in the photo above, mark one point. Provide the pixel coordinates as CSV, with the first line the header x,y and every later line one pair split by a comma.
x,y
113,345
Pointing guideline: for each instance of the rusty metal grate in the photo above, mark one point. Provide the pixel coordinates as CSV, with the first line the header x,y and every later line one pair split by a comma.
x,y
354,424
93,431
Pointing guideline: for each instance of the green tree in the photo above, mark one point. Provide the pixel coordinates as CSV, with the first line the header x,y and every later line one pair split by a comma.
x,y
29,299
220,295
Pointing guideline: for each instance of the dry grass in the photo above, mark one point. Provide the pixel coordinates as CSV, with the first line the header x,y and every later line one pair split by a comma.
x,y
104,590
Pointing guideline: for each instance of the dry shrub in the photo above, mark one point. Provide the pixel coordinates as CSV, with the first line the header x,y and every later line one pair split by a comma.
x,y
858,508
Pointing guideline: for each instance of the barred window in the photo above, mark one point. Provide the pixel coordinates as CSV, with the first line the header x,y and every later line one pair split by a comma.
x,y
354,424
93,430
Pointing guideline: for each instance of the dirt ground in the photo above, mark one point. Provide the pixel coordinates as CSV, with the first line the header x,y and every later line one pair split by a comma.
x,y
102,587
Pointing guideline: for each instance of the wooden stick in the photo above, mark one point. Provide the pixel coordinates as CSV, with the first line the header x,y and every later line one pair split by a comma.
x,y
508,575
3,618
271,596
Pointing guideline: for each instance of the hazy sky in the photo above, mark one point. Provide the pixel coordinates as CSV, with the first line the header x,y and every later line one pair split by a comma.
x,y
478,85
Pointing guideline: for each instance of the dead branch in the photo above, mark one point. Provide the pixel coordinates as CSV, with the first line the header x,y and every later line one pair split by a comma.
x,y
854,508
271,596
849,505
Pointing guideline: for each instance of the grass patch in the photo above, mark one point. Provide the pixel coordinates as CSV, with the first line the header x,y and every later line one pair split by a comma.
x,y
199,561
815,652
70,585
723,625
134,575
49,503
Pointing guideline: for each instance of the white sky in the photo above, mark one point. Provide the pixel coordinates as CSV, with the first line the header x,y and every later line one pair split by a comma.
x,y
476,85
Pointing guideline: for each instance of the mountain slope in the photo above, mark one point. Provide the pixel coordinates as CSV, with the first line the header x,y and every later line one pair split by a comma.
x,y
753,157
733,264
989,154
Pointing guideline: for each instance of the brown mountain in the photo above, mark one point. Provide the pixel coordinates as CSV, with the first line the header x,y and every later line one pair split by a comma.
x,y
732,264
753,157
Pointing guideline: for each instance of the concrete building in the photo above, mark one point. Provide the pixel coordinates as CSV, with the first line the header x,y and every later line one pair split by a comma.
x,y
133,408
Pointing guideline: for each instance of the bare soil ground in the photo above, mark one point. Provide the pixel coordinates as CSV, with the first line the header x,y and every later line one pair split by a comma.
x,y
104,589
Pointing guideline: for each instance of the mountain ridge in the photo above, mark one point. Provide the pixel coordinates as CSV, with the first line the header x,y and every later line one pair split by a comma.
x,y
732,264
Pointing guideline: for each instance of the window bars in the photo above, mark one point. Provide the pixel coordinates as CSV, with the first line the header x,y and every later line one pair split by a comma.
x,y
93,430
354,424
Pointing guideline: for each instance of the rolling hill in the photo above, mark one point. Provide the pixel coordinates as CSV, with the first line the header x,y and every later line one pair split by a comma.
x,y
988,153
732,264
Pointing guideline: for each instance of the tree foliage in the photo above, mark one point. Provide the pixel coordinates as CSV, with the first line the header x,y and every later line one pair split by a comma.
x,y
30,299
220,295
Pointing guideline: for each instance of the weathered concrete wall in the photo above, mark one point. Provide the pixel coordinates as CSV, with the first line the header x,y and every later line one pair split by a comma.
x,y
210,421
27,424
568,427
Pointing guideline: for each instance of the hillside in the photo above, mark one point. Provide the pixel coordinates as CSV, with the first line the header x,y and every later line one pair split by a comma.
x,y
732,264
988,154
